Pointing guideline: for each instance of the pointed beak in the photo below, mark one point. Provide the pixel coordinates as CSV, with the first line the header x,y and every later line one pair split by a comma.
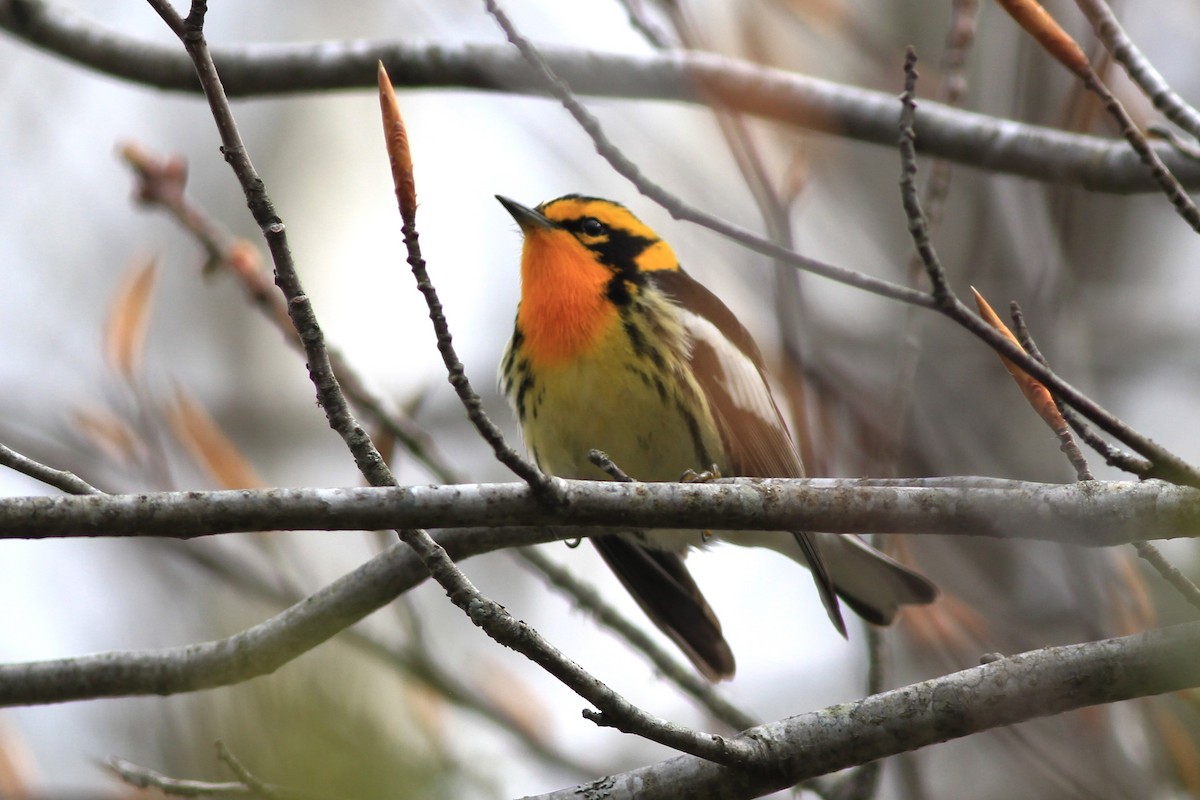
x,y
527,218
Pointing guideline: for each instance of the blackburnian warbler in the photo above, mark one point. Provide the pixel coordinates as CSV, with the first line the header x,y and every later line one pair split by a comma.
x,y
617,348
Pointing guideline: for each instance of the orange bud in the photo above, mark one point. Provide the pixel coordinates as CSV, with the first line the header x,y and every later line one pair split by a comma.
x,y
1030,15
396,137
1035,392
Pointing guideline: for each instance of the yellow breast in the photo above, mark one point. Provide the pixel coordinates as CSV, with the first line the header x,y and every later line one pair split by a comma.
x,y
643,408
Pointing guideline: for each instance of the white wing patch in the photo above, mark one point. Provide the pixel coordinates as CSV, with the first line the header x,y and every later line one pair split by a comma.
x,y
739,376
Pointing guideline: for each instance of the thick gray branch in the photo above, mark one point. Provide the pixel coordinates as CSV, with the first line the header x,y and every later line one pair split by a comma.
x,y
1010,690
258,650
261,70
1093,513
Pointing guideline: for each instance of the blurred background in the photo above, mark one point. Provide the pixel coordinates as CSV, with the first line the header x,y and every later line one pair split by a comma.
x,y
421,704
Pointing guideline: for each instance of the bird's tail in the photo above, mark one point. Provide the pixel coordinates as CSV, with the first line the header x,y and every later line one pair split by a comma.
x,y
875,585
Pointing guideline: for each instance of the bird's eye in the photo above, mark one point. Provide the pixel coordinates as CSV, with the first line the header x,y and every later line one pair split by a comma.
x,y
591,226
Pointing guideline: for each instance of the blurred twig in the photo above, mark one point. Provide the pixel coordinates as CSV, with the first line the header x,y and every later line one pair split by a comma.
x,y
146,778
414,662
162,182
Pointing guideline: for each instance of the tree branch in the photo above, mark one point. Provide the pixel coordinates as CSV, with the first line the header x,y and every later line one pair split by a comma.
x,y
259,70
259,650
1035,684
1095,514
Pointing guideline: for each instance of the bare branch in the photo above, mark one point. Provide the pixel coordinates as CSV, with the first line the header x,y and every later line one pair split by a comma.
x,y
299,308
259,70
1008,690
1139,68
258,650
1093,514
146,778
68,482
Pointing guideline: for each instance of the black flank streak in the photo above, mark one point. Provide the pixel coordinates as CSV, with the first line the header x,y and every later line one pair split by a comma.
x,y
637,340
697,441
525,385
662,393
640,374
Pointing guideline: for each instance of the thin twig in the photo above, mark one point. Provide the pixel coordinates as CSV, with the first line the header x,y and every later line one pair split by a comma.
x,y
146,778
1176,579
244,775
1067,443
1030,15
1162,175
396,138
641,23
68,482
1139,68
299,307
1146,550
610,468
960,36
1163,463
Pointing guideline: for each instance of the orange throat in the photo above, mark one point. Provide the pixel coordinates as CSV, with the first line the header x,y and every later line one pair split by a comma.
x,y
563,305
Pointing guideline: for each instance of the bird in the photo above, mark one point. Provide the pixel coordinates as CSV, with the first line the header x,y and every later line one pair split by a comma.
x,y
616,348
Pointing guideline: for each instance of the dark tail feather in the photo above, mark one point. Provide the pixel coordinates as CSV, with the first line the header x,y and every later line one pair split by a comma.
x,y
825,584
662,586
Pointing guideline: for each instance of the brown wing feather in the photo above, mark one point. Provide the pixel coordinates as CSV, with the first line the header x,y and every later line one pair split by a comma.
x,y
661,584
752,430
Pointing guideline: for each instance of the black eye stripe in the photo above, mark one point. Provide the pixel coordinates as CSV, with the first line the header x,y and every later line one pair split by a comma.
x,y
588,226
615,247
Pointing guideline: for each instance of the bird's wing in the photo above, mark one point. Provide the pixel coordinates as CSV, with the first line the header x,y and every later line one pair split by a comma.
x,y
729,368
